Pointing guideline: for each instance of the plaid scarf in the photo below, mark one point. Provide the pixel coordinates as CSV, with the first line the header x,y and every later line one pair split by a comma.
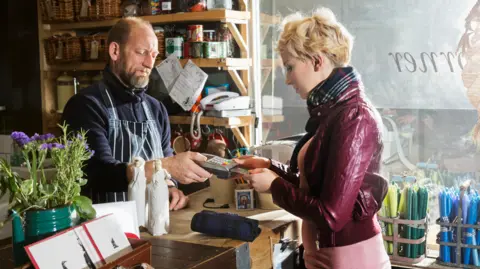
x,y
339,80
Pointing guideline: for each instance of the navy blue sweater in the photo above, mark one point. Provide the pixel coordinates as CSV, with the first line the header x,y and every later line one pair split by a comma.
x,y
87,110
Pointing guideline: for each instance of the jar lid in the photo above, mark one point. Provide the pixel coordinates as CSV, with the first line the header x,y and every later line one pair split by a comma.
x,y
208,31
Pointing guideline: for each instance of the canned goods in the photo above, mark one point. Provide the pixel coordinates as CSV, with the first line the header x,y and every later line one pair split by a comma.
x,y
174,45
195,33
197,49
209,35
214,50
187,48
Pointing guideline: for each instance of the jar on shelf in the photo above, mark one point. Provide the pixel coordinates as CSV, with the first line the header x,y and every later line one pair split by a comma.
x,y
219,4
209,35
224,35
181,6
65,90
197,5
84,81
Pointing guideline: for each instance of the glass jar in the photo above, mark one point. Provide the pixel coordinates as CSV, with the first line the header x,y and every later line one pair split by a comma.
x,y
224,35
209,35
197,5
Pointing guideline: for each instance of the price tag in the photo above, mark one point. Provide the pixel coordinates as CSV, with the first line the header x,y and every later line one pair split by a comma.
x,y
59,55
94,50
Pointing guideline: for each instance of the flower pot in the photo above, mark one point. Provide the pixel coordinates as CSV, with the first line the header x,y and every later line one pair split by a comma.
x,y
38,224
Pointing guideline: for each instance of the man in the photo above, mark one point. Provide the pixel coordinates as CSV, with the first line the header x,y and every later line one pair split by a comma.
x,y
124,122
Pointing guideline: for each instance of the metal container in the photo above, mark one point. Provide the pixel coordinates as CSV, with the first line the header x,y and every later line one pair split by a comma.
x,y
187,50
197,49
174,45
195,33
214,50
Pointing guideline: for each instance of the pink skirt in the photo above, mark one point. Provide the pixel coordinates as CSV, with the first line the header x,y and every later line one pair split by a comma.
x,y
369,254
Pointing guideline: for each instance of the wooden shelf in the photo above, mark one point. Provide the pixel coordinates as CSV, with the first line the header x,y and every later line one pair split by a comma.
x,y
214,121
238,17
224,64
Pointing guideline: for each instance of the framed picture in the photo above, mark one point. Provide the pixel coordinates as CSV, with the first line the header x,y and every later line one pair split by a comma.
x,y
244,199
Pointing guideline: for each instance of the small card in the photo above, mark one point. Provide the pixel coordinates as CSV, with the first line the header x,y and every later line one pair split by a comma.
x,y
63,250
108,238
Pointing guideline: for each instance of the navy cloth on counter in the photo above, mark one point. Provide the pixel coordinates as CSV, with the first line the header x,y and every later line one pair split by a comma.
x,y
226,225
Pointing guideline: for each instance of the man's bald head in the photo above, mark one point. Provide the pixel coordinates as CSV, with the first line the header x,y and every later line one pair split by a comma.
x,y
121,31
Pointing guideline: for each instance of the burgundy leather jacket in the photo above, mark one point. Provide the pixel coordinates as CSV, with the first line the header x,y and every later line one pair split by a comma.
x,y
335,165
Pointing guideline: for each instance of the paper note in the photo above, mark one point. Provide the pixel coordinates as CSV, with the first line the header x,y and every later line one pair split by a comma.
x,y
188,86
169,70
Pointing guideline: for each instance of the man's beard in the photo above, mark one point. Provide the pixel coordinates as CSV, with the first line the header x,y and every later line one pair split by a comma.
x,y
130,79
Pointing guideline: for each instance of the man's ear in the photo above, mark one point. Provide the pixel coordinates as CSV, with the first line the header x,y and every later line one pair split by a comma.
x,y
114,51
317,62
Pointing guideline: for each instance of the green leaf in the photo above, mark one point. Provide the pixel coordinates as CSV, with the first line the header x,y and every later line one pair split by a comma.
x,y
82,182
27,187
48,189
82,200
84,208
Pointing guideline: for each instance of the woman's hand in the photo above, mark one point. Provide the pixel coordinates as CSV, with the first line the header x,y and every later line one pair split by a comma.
x,y
261,179
252,162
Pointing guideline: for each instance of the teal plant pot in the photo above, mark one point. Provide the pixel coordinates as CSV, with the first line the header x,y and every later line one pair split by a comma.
x,y
39,224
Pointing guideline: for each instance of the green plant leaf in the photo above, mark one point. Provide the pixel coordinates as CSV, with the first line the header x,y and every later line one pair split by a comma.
x,y
84,208
48,189
82,182
26,187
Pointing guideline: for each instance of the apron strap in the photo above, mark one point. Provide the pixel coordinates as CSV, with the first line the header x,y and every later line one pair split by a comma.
x,y
112,112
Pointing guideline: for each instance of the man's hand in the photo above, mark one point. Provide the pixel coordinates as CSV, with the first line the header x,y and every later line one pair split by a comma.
x,y
183,168
178,200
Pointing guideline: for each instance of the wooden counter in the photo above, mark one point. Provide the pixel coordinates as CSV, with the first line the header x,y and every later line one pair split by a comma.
x,y
275,225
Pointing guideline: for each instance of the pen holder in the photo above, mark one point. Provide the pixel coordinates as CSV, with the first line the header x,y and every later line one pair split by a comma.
x,y
244,197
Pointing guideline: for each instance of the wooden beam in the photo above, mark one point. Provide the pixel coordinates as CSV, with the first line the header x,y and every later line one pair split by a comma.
x,y
238,81
238,37
239,136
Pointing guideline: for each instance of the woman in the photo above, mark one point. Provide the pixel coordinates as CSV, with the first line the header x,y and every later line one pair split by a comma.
x,y
341,151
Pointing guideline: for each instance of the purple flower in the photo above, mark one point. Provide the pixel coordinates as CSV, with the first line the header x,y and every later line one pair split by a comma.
x,y
92,152
20,138
58,146
47,136
49,146
37,137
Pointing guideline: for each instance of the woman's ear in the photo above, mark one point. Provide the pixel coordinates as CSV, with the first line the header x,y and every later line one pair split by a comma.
x,y
317,62
114,51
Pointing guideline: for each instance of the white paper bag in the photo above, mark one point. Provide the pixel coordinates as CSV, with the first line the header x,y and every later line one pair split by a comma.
x,y
158,202
137,187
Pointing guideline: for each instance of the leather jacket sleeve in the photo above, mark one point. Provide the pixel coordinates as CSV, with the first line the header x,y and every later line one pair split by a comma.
x,y
283,171
352,146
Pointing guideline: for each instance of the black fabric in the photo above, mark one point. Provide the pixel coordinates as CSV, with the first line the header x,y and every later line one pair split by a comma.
x,y
87,110
225,225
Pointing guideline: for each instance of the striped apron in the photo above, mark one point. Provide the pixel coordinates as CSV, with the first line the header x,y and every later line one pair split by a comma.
x,y
129,139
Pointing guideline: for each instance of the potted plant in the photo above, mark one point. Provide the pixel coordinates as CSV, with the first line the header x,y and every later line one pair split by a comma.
x,y
41,206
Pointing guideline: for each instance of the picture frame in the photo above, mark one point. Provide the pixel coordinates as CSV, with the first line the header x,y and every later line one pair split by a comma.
x,y
244,199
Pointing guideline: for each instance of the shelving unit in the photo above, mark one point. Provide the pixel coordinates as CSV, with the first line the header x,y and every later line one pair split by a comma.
x,y
237,68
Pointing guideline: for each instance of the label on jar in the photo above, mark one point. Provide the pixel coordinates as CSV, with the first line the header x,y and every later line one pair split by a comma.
x,y
166,5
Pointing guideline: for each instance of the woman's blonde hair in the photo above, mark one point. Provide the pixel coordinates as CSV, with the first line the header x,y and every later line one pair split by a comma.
x,y
306,37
